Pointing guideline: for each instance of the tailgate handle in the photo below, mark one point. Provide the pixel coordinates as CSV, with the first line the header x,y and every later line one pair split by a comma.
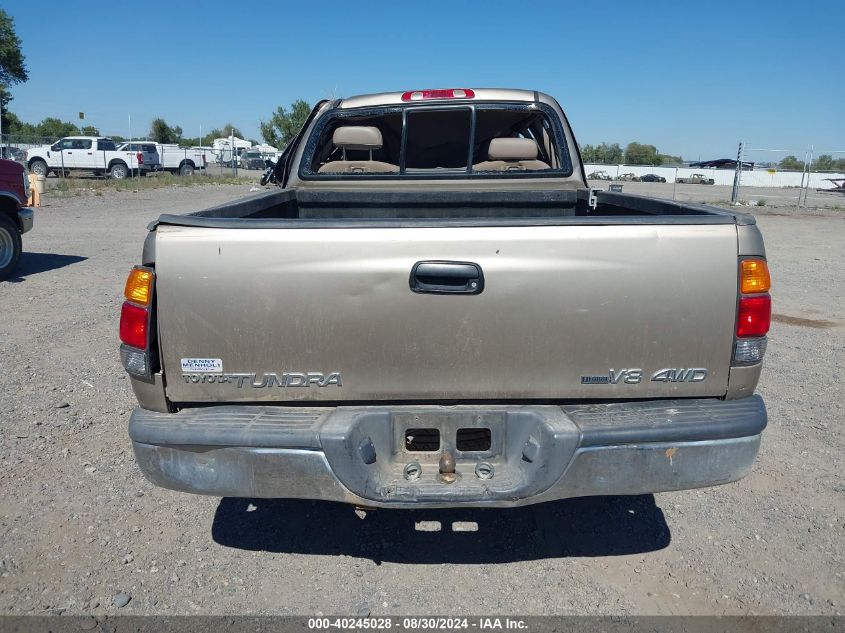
x,y
452,278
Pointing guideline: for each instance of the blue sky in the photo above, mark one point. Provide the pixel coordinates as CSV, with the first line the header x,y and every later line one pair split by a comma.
x,y
691,78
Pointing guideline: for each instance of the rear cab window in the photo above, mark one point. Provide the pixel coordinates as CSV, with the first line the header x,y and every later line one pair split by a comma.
x,y
437,141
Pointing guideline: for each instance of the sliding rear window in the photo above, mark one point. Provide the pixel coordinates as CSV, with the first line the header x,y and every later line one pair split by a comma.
x,y
440,142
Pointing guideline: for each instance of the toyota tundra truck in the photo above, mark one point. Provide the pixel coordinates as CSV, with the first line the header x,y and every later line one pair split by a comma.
x,y
433,309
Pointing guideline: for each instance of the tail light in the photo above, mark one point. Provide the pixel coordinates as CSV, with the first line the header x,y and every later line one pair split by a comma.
x,y
133,325
135,322
754,316
754,312
140,158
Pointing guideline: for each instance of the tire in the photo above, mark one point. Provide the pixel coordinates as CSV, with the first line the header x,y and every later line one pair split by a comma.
x,y
39,168
10,246
119,171
186,169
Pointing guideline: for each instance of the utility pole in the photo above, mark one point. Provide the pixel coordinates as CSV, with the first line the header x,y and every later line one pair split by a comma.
x,y
130,135
737,175
234,163
805,186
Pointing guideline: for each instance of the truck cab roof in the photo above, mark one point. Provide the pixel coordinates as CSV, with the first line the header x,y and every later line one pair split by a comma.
x,y
444,95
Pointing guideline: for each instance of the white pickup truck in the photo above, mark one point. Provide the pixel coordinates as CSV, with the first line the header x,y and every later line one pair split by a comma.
x,y
171,157
89,153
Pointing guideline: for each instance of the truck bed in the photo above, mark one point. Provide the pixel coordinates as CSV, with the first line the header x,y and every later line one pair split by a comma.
x,y
290,208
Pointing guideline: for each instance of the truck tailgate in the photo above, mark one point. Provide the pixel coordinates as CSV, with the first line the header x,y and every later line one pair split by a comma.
x,y
327,314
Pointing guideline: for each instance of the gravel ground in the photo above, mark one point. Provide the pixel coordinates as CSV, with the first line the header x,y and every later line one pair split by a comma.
x,y
81,531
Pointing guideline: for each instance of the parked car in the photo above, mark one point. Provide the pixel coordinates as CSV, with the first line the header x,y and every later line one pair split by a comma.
x,y
252,159
11,153
652,178
696,179
486,332
629,177
92,154
599,175
170,157
15,217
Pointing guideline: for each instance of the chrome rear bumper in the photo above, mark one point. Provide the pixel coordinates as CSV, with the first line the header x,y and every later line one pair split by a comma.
x,y
538,453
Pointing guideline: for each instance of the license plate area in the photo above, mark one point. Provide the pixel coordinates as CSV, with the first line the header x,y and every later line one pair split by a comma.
x,y
426,435
527,450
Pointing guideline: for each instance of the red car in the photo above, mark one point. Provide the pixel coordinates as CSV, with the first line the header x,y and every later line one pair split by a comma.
x,y
15,217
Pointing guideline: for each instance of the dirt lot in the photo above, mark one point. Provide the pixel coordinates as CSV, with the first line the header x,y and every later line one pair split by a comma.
x,y
82,530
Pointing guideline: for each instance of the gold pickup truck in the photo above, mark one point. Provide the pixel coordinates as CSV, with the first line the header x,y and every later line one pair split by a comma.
x,y
432,308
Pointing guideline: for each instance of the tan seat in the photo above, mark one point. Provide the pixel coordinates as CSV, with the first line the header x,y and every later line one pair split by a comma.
x,y
511,154
358,137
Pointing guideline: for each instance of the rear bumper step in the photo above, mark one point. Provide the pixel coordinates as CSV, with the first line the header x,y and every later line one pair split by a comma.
x,y
535,453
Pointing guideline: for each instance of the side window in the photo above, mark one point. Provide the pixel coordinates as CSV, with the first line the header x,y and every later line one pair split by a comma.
x,y
82,143
514,140
105,145
66,143
382,157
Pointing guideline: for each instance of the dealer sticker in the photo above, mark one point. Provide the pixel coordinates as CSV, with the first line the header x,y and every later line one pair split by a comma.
x,y
202,365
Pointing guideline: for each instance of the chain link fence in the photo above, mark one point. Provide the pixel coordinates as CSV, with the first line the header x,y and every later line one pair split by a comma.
x,y
761,185
764,184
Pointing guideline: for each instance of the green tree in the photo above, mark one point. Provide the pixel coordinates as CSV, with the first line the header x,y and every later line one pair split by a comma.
x,y
604,154
53,128
231,130
26,132
824,162
668,159
227,131
89,130
639,154
791,163
161,132
12,67
284,124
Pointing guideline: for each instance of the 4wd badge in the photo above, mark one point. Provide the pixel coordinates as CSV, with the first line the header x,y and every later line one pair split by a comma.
x,y
634,376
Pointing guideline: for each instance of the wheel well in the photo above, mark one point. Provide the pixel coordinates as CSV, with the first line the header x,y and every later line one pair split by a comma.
x,y
33,159
187,161
117,161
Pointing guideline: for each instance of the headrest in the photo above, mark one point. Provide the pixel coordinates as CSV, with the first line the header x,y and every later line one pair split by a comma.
x,y
512,149
357,137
